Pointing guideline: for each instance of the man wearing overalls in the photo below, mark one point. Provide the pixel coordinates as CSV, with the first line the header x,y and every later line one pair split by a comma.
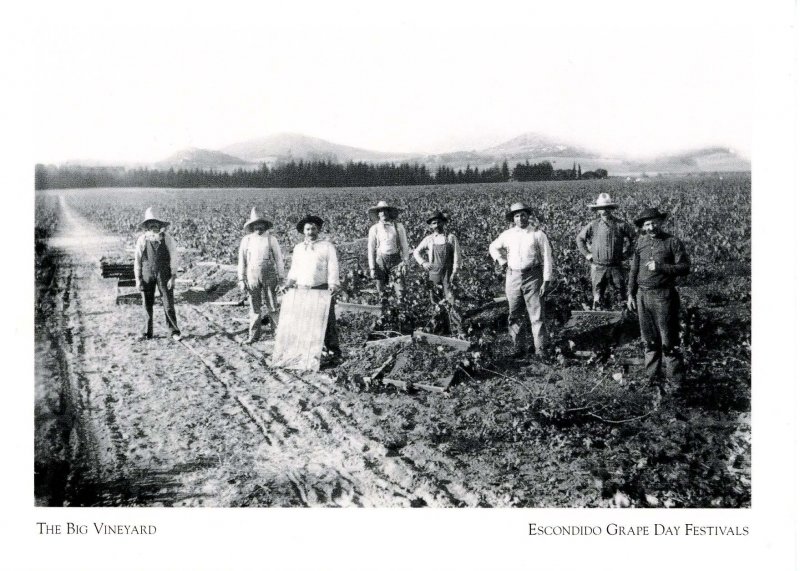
x,y
156,263
260,267
443,261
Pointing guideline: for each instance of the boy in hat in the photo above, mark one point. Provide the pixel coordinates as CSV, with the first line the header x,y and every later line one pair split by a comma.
x,y
387,248
658,259
605,242
526,255
443,261
156,264
260,266
315,266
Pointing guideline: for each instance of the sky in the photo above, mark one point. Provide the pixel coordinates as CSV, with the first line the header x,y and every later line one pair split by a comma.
x,y
140,82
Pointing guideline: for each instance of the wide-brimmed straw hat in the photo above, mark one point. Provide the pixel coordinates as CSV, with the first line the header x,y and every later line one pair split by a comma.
x,y
309,218
151,216
438,215
256,216
517,207
649,214
392,211
603,202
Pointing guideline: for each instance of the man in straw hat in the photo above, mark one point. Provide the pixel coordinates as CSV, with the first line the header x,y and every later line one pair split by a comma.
x,y
387,248
605,242
260,267
156,263
526,255
658,259
442,263
315,266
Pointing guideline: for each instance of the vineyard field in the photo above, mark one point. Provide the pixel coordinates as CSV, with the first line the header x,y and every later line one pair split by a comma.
x,y
209,422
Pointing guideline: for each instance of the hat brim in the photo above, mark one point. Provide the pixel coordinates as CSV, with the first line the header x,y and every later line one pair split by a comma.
x,y
510,214
313,219
392,210
432,218
640,221
144,223
251,222
609,206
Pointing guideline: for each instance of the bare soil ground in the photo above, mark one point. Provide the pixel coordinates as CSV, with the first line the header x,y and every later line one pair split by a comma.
x,y
207,422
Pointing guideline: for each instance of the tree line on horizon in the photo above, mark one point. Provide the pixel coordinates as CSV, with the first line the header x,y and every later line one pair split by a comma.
x,y
300,174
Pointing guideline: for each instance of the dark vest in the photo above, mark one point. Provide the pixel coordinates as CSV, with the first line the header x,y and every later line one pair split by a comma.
x,y
155,261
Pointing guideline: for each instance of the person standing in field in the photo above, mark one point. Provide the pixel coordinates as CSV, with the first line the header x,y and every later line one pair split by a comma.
x,y
156,264
658,259
316,266
525,254
442,263
261,265
605,242
387,248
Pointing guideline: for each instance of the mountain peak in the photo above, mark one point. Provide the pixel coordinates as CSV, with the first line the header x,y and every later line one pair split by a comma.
x,y
537,145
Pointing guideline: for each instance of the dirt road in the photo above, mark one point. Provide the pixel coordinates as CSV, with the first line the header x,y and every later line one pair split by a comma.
x,y
202,421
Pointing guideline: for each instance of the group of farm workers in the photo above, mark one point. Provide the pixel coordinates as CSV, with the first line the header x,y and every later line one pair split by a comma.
x,y
523,252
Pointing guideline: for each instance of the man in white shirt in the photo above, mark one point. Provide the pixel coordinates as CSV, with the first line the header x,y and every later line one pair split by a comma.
x,y
315,266
260,267
526,255
387,248
155,263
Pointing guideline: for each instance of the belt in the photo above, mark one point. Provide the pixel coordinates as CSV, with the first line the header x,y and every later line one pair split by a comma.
x,y
612,265
524,270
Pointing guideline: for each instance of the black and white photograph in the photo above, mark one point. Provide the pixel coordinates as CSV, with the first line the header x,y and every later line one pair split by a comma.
x,y
494,258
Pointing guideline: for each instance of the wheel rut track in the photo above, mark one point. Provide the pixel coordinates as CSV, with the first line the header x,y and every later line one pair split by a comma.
x,y
434,473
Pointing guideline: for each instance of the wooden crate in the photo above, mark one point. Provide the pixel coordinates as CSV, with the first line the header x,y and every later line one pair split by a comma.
x,y
460,344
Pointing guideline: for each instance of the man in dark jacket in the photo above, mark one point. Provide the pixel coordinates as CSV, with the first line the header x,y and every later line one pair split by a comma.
x,y
605,242
658,259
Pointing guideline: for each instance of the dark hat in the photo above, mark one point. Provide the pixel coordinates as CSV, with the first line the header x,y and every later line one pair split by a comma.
x,y
517,207
649,214
438,215
309,218
392,211
256,216
151,216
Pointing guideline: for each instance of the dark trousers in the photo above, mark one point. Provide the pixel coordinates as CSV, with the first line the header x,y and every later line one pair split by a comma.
x,y
387,269
167,300
602,277
660,326
260,293
440,290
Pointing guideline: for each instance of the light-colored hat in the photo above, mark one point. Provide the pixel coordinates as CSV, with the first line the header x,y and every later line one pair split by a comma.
x,y
517,207
393,211
151,216
256,216
603,201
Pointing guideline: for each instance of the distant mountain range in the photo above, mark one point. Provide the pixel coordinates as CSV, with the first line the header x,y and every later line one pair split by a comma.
x,y
532,147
